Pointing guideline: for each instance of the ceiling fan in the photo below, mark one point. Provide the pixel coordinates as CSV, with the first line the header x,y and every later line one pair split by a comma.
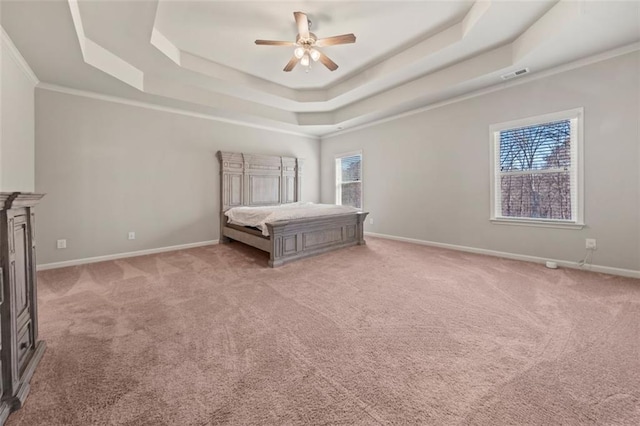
x,y
306,44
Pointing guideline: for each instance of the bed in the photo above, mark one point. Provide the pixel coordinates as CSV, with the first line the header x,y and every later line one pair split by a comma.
x,y
264,181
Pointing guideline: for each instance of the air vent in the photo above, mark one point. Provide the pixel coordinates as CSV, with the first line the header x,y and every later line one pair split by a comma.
x,y
514,74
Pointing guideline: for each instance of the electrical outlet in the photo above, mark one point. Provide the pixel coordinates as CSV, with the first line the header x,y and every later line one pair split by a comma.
x,y
132,235
591,244
62,244
370,221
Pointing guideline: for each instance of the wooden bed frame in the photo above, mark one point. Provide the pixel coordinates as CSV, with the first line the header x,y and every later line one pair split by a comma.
x,y
261,180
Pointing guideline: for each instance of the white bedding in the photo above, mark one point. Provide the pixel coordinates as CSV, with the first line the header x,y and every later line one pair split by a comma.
x,y
258,216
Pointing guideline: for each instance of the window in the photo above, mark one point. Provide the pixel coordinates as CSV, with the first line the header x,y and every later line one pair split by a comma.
x,y
536,174
349,179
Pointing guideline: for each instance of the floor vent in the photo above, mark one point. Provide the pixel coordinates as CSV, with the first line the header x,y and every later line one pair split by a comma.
x,y
514,74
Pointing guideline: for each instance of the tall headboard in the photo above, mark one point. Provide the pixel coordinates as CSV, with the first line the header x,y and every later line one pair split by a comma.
x,y
258,180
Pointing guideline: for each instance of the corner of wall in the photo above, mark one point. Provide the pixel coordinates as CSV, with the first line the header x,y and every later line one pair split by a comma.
x,y
17,135
9,47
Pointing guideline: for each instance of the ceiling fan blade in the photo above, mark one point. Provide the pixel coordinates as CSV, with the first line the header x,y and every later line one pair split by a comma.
x,y
327,62
274,43
303,24
292,63
341,39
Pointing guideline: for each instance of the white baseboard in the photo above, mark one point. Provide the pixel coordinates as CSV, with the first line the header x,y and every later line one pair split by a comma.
x,y
563,263
115,256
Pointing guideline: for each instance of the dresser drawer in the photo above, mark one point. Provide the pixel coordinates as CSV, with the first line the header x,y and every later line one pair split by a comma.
x,y
25,344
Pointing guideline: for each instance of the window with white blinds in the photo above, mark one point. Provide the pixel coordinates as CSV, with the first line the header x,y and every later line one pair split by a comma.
x,y
537,170
349,179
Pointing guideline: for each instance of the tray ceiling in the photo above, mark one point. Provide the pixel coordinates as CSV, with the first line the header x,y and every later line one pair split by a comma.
x,y
200,56
225,33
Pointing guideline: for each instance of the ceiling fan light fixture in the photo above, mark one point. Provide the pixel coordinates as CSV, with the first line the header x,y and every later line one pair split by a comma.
x,y
315,55
299,52
305,60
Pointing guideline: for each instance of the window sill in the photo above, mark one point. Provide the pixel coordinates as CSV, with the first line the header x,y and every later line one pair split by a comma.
x,y
537,223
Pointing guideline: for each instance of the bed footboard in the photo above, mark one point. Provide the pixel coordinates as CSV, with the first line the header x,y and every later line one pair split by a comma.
x,y
266,180
295,239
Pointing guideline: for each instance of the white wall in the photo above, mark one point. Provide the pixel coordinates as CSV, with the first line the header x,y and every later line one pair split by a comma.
x,y
109,168
17,121
426,176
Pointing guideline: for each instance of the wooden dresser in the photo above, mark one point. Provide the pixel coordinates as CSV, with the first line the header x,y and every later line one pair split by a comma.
x,y
20,350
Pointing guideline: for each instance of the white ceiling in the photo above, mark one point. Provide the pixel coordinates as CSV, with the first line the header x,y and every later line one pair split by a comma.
x,y
224,32
200,56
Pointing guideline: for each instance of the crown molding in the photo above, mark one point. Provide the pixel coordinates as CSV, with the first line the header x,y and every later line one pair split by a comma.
x,y
268,105
610,54
15,54
500,86
172,110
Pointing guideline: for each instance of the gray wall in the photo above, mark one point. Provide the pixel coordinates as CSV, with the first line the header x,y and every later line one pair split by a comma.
x,y
109,168
426,176
17,125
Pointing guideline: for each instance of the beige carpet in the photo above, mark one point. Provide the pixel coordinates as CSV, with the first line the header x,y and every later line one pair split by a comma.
x,y
390,333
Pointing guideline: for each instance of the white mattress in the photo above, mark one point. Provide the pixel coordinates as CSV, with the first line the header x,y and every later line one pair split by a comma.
x,y
257,217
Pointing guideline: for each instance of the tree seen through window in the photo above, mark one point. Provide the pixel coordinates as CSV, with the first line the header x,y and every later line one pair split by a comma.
x,y
535,171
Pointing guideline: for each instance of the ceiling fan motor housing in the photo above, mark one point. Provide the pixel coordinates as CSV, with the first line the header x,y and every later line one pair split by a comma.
x,y
306,42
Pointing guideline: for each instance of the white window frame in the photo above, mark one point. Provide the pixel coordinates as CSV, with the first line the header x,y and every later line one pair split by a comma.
x,y
576,116
338,177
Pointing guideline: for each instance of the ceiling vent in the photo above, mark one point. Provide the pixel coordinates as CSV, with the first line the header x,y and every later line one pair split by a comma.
x,y
514,74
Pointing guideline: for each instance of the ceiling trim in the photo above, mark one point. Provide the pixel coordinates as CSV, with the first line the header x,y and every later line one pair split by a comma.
x,y
204,66
18,58
156,107
497,87
385,69
551,23
357,80
101,58
552,71
432,76
371,90
488,63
